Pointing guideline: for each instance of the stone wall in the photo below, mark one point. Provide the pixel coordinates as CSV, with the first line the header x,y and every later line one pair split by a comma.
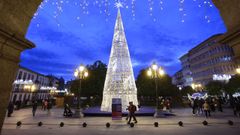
x,y
230,13
15,16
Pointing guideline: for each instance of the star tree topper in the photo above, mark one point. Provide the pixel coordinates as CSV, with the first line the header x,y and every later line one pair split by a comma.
x,y
118,4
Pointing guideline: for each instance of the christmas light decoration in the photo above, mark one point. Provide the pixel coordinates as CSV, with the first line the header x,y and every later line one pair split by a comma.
x,y
119,81
105,6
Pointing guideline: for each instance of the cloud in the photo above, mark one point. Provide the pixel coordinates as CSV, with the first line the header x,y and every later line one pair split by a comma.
x,y
38,53
45,62
59,49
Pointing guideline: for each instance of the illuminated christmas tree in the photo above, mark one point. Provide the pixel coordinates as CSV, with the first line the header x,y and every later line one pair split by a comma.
x,y
119,81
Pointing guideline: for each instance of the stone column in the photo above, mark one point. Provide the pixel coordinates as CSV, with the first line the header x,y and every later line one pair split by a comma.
x,y
15,16
230,13
10,50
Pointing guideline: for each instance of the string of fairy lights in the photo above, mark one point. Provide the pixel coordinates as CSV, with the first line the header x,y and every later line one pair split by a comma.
x,y
104,6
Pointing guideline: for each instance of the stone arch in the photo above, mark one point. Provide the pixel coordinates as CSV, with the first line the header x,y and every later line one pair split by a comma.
x,y
16,15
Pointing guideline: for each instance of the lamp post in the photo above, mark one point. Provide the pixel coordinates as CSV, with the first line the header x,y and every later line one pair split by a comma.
x,y
197,86
238,70
32,89
80,73
156,72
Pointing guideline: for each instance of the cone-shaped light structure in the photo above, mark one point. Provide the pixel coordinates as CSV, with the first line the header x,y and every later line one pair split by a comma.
x,y
119,81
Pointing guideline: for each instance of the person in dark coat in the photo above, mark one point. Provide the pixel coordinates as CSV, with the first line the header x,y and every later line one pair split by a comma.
x,y
34,108
10,109
67,111
219,104
49,107
132,109
195,105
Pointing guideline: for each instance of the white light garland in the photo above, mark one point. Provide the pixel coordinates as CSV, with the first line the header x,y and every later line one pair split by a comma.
x,y
119,81
105,5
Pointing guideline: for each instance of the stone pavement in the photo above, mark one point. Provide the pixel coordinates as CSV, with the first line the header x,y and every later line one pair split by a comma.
x,y
96,125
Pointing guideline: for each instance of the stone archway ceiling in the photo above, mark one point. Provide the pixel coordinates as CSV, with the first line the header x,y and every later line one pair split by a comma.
x,y
16,15
229,10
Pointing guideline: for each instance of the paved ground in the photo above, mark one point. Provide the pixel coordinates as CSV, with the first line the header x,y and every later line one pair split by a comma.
x,y
96,125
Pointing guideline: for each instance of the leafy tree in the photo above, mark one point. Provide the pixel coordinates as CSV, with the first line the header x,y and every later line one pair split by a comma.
x,y
61,84
94,83
146,85
74,86
233,85
214,87
186,90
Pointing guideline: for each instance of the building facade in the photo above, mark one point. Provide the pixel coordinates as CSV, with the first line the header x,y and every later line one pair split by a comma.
x,y
178,79
30,85
208,61
186,72
211,60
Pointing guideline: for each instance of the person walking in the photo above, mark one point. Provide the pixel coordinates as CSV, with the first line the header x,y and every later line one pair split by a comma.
x,y
219,104
132,109
10,109
195,105
128,113
34,108
67,111
206,109
45,105
49,106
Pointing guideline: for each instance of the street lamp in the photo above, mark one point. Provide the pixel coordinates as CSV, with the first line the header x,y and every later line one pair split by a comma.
x,y
238,70
156,72
80,73
197,86
32,89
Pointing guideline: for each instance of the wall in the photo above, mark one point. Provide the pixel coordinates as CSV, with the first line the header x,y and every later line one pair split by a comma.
x,y
15,17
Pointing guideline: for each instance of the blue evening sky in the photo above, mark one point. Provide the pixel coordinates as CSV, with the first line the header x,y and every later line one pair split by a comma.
x,y
73,33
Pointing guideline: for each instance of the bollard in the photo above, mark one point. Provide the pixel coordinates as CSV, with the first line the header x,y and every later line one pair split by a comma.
x,y
61,124
40,124
84,124
180,123
108,125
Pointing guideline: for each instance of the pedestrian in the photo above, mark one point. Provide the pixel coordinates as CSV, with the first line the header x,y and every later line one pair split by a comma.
x,y
132,109
10,109
219,104
34,108
235,106
192,105
45,105
198,106
67,111
128,113
195,105
201,105
18,104
49,106
206,109
213,104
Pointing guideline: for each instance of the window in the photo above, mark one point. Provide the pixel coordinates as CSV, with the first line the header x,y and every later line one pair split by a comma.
x,y
29,75
32,77
24,76
19,75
